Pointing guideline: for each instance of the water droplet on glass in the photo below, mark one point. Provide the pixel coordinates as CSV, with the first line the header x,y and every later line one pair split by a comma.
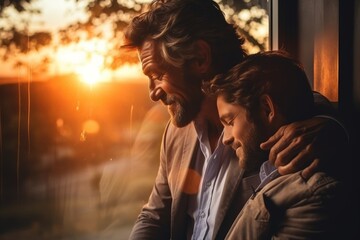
x,y
83,136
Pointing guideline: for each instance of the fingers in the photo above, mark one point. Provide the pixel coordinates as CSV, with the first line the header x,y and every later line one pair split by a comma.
x,y
296,157
268,144
283,154
302,160
276,143
297,146
310,170
285,144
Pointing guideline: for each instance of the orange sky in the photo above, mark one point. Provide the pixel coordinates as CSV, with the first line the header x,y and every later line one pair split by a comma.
x,y
85,59
72,59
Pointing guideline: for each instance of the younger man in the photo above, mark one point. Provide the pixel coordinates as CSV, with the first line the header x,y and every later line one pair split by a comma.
x,y
255,98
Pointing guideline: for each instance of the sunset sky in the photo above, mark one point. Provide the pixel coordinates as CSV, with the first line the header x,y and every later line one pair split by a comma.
x,y
85,59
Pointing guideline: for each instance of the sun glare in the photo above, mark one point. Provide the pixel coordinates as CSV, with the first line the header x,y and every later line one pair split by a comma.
x,y
86,59
91,71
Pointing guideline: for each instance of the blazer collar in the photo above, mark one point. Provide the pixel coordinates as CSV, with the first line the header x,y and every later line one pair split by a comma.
x,y
179,205
233,180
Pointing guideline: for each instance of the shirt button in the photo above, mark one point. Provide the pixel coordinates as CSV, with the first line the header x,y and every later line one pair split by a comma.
x,y
208,184
202,214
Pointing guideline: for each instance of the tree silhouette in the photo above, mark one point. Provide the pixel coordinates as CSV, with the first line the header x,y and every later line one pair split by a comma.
x,y
17,40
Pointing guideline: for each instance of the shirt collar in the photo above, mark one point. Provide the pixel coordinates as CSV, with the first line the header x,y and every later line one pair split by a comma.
x,y
268,172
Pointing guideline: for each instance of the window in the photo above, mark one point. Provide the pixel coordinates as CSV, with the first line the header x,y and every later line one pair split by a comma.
x,y
68,123
309,30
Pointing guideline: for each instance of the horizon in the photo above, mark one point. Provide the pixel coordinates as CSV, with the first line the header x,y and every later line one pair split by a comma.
x,y
85,58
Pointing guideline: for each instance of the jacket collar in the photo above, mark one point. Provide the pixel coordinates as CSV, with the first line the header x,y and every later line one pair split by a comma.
x,y
233,180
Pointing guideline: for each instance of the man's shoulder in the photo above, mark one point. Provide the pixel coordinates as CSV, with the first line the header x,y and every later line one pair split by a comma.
x,y
293,204
175,137
172,131
293,187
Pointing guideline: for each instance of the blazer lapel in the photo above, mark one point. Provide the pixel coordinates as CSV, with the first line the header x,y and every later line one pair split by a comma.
x,y
237,190
188,148
231,186
179,205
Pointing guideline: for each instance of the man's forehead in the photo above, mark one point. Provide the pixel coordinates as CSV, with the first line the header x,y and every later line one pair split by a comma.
x,y
149,56
147,50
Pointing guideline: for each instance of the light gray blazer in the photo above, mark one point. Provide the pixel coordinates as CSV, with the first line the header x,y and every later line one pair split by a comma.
x,y
290,207
164,216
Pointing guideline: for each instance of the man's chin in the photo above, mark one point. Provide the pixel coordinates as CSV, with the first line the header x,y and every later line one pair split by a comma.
x,y
179,124
178,118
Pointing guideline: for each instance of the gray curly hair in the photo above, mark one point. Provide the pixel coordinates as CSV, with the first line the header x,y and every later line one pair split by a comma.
x,y
175,24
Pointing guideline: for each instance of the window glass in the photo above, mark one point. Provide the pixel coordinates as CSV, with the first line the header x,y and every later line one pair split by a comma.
x,y
75,115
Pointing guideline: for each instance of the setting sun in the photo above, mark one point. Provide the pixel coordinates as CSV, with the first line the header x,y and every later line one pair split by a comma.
x,y
91,71
86,59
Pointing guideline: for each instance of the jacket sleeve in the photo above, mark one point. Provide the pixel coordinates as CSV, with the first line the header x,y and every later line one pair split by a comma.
x,y
309,209
291,208
154,219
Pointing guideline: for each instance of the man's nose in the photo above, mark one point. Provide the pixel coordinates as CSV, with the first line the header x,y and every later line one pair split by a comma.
x,y
227,137
154,90
156,93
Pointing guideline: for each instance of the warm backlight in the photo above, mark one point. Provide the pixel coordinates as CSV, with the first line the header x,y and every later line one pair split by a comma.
x,y
86,59
92,70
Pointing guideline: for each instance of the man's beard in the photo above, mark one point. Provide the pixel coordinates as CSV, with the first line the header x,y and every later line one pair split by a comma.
x,y
252,158
183,113
252,155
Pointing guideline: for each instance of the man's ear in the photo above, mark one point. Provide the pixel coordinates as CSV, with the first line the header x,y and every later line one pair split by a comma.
x,y
268,108
202,61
